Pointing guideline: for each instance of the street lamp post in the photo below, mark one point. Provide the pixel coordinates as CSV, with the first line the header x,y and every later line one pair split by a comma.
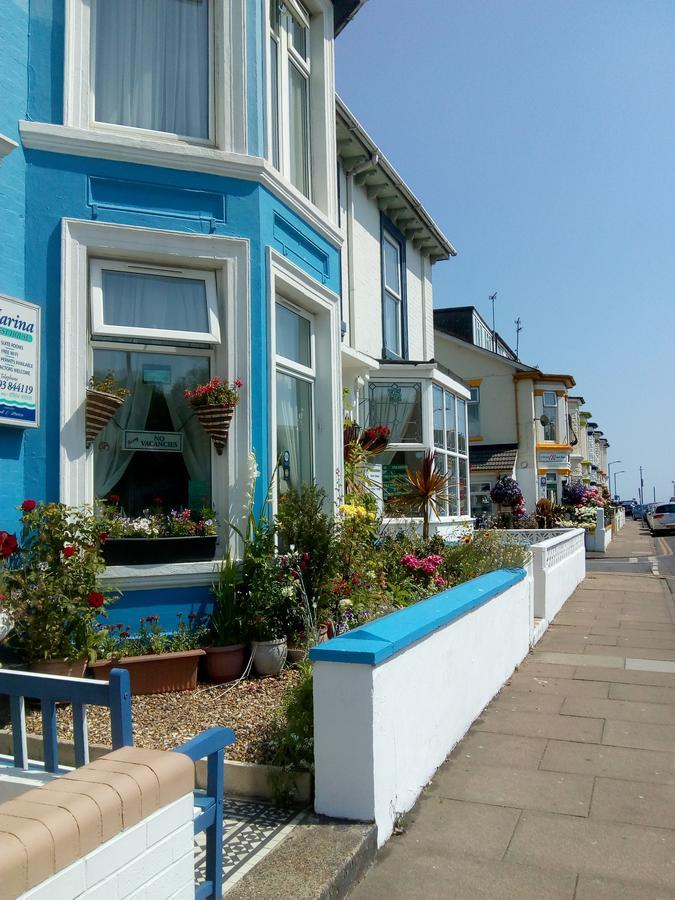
x,y
620,472
609,474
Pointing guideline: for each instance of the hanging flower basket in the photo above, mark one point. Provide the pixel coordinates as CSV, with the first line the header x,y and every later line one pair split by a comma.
x,y
99,410
213,404
215,420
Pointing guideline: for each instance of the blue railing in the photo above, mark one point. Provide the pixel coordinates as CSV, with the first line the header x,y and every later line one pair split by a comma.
x,y
115,694
211,745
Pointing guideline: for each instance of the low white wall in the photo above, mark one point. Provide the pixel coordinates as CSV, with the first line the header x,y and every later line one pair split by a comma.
x,y
450,529
382,729
599,540
154,858
558,567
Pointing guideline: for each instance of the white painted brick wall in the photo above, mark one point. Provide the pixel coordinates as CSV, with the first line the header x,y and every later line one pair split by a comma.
x,y
153,860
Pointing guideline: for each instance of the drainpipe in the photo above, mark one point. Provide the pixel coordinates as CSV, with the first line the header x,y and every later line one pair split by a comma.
x,y
363,166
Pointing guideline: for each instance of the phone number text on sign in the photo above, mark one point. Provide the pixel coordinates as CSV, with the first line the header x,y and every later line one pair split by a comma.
x,y
19,363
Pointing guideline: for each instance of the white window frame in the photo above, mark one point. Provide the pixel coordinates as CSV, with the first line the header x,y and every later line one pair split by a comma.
x,y
228,259
292,286
99,328
288,56
548,405
428,382
227,87
164,135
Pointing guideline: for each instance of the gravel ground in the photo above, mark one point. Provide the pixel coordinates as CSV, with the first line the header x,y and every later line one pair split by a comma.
x,y
165,721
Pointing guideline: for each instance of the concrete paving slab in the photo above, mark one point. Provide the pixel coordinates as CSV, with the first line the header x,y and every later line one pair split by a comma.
x,y
591,847
624,676
529,724
488,749
453,827
581,659
526,701
625,710
566,687
646,639
640,693
576,643
635,802
531,666
640,735
642,653
606,889
651,665
655,766
503,786
406,873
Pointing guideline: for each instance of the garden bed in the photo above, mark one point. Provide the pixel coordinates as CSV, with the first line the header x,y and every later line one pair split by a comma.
x,y
164,721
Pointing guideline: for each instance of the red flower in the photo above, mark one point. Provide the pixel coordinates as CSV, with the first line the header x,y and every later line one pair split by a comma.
x,y
113,498
157,501
8,544
69,551
238,382
192,616
95,599
28,505
103,537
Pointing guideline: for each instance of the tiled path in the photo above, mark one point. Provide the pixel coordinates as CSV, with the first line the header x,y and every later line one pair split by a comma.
x,y
565,787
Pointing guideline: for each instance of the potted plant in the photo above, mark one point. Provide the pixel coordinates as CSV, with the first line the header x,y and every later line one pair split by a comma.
x,y
158,661
104,398
226,656
507,493
49,587
214,404
375,439
155,537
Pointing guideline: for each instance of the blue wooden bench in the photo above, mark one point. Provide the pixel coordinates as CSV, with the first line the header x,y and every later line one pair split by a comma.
x,y
115,695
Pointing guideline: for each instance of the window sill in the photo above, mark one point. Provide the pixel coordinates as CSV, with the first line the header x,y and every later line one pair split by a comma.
x,y
170,575
123,147
6,145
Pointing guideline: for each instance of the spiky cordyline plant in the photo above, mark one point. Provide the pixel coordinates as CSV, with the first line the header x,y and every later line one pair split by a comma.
x,y
422,491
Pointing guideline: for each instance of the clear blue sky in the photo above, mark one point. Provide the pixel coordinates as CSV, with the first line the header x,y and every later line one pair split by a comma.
x,y
540,134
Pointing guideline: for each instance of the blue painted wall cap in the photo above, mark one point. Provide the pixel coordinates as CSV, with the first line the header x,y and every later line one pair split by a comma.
x,y
373,643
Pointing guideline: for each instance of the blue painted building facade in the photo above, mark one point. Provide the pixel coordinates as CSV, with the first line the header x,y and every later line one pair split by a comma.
x,y
247,210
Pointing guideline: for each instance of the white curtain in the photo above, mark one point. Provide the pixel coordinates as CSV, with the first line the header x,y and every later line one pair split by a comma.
x,y
154,301
152,65
196,444
111,459
294,430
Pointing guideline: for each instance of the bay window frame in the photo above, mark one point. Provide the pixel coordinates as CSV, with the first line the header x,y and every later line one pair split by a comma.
x,y
228,259
390,233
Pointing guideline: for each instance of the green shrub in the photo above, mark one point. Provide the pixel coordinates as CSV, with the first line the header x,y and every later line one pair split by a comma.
x,y
292,739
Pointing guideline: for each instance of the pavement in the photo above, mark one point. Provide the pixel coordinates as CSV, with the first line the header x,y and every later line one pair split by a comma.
x,y
565,786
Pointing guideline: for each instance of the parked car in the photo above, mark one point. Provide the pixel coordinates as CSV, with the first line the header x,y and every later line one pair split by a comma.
x,y
661,519
646,509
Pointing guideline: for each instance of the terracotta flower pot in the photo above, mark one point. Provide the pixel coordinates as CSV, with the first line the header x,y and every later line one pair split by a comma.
x,y
159,673
60,667
99,410
269,656
225,664
215,420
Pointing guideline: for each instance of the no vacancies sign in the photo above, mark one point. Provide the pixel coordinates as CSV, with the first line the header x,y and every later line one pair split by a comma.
x,y
19,363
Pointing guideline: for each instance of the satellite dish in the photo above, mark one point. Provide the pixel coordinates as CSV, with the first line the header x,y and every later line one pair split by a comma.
x,y
544,420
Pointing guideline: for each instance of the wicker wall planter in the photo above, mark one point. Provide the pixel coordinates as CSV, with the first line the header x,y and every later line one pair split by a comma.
x,y
99,410
158,673
215,420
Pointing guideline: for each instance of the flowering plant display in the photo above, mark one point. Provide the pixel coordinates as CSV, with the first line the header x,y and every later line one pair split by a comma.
x,y
375,438
215,392
507,492
150,638
108,385
49,582
154,523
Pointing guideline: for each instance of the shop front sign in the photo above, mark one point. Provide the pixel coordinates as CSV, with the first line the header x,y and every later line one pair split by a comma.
x,y
554,459
19,363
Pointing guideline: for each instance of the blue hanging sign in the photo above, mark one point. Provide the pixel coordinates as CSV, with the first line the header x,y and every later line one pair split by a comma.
x,y
19,363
